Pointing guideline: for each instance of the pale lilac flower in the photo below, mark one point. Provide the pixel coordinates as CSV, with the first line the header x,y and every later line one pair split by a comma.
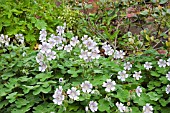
x,y
58,97
109,84
119,54
89,43
86,87
60,30
52,41
60,47
138,91
95,53
50,55
43,34
147,108
84,54
107,48
20,38
127,66
68,48
168,89
168,75
58,39
93,105
74,41
148,65
45,47
168,62
5,39
85,37
137,75
39,57
73,93
123,75
86,108
42,66
120,107
162,63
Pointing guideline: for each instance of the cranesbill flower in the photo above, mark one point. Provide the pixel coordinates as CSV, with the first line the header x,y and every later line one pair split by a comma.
x,y
89,43
119,54
168,89
95,53
127,66
45,47
123,75
168,62
147,108
58,97
86,86
168,75
120,107
148,65
162,63
43,34
93,105
60,30
84,54
107,48
58,39
20,38
85,37
51,55
137,75
68,48
73,93
74,41
138,91
39,57
109,84
42,66
52,41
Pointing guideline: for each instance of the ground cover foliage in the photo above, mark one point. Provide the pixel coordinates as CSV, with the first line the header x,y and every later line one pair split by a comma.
x,y
84,56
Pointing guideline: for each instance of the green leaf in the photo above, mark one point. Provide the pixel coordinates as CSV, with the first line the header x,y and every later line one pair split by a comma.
x,y
7,75
103,105
153,73
145,12
154,96
40,24
43,76
11,97
115,34
123,95
163,1
135,110
21,102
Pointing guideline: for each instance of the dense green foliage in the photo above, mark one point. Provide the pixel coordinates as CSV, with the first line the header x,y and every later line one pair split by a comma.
x,y
26,87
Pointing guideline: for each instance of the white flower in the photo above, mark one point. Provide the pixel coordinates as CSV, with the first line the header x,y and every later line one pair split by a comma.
x,y
119,54
42,66
168,89
137,75
147,108
58,97
123,75
68,48
60,47
50,55
5,39
60,30
52,41
61,80
95,53
107,48
168,62
86,108
39,57
147,65
162,63
58,39
73,93
43,34
85,37
93,105
89,43
127,66
86,86
120,106
45,47
20,38
74,41
168,75
110,85
138,91
84,54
